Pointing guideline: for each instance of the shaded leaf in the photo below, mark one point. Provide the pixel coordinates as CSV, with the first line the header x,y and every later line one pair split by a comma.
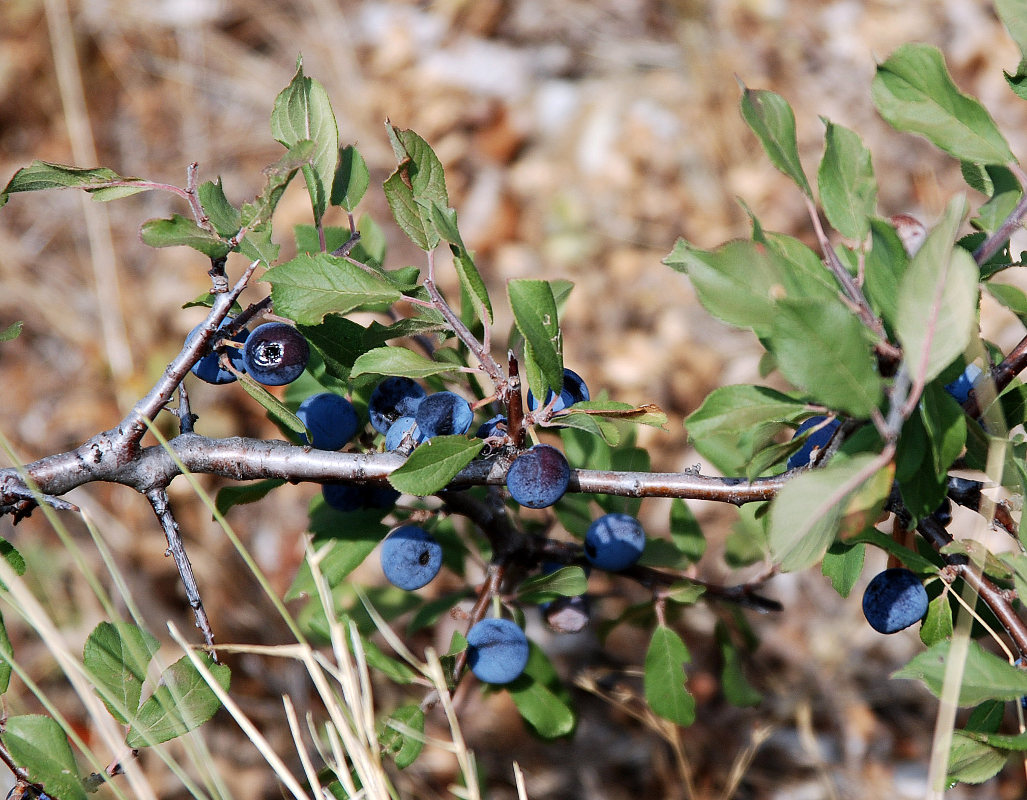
x,y
534,310
434,464
179,230
251,492
564,582
351,179
116,657
398,743
39,745
985,676
665,677
41,175
181,703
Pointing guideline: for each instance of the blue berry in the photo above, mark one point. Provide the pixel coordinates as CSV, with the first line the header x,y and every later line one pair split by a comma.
x,y
538,477
209,368
330,418
497,650
275,354
492,427
399,430
354,497
443,414
410,557
614,541
818,439
574,391
894,600
391,399
961,386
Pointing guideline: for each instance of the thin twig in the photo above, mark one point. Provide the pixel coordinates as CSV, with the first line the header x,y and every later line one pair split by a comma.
x,y
998,239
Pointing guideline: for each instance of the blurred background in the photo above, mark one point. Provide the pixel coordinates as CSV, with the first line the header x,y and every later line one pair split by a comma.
x,y
580,139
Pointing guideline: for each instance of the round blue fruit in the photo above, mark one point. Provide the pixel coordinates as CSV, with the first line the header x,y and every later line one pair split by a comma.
x,y
538,477
354,497
275,354
497,650
492,427
961,386
574,391
399,430
410,557
330,418
817,439
443,414
209,367
614,541
894,600
391,399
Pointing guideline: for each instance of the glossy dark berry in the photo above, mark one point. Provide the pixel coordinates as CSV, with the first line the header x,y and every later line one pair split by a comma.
x,y
275,354
443,414
538,477
492,427
818,439
961,386
497,650
353,497
410,557
391,399
574,391
400,430
209,367
943,513
330,418
614,541
894,600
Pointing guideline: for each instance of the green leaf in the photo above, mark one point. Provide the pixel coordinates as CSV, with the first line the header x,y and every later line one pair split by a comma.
x,y
6,655
251,492
540,699
1004,195
1013,14
565,582
398,361
665,677
647,414
225,218
736,422
807,513
38,744
401,745
182,231
937,625
181,703
257,214
418,182
945,425
914,92
351,179
842,564
302,111
339,342
937,301
848,190
116,657
973,761
737,689
41,175
771,119
534,310
886,263
12,331
431,466
444,220
985,676
275,408
684,592
311,285
685,531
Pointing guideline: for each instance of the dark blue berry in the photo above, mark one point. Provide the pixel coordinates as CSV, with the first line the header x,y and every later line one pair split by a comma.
x,y
492,427
330,418
443,414
497,650
391,399
961,386
574,391
209,367
275,354
894,600
410,557
399,430
818,439
614,541
354,497
538,477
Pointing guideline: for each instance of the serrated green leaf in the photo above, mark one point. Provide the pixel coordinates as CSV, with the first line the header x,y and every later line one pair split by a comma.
x,y
225,218
534,310
312,285
914,93
182,702
945,425
408,214
433,464
180,231
116,657
648,414
351,179
396,741
822,349
886,263
42,175
302,111
973,761
339,342
564,582
937,625
229,496
444,220
665,677
257,245
540,698
276,409
12,331
937,301
848,190
985,676
418,182
39,745
842,565
398,361
771,119
257,215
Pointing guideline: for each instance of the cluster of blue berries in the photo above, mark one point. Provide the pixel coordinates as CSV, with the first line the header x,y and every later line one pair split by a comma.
x,y
273,354
403,411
